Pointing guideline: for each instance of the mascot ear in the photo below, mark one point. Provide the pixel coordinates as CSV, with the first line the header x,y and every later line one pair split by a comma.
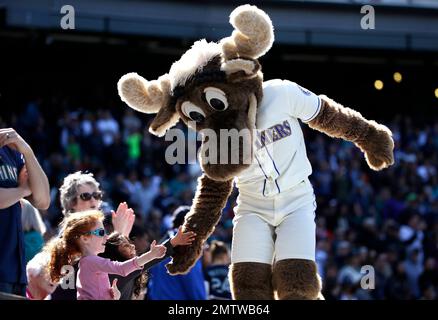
x,y
240,69
150,97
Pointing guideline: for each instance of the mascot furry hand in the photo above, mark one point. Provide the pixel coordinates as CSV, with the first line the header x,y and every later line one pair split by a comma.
x,y
220,86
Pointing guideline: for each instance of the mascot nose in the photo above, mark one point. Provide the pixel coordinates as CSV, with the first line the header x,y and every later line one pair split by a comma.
x,y
196,116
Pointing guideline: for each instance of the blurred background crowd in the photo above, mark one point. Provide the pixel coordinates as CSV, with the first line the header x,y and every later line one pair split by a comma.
x,y
387,220
58,91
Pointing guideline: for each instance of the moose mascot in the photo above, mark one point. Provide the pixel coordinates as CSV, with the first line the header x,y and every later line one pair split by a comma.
x,y
220,86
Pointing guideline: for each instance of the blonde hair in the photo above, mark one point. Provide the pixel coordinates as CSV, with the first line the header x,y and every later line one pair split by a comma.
x,y
38,264
65,249
31,218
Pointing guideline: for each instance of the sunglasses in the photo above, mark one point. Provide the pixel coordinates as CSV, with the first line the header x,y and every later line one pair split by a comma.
x,y
86,196
98,232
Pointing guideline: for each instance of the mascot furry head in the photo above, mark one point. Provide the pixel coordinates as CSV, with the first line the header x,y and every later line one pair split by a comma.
x,y
213,85
220,86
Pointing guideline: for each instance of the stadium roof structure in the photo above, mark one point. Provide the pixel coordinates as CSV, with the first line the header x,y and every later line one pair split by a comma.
x,y
399,24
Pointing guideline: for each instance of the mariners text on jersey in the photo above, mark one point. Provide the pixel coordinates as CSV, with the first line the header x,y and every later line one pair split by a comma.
x,y
8,172
272,134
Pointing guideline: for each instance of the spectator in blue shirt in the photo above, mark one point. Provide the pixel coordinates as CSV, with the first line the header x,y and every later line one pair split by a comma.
x,y
21,176
216,273
163,286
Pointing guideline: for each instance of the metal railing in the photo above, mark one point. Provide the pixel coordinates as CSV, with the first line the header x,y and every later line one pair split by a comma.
x,y
8,296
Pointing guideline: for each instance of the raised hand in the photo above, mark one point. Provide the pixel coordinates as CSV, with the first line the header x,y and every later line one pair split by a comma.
x,y
11,138
123,219
183,238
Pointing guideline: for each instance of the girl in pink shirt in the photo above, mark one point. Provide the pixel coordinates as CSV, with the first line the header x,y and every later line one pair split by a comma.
x,y
84,237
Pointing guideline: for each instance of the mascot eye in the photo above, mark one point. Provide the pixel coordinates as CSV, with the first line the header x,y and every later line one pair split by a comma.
x,y
216,98
193,112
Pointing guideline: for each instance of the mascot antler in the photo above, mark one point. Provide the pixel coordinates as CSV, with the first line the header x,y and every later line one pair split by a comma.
x,y
252,37
253,34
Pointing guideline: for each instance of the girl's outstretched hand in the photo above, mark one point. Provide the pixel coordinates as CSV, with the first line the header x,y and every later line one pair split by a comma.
x,y
183,238
158,251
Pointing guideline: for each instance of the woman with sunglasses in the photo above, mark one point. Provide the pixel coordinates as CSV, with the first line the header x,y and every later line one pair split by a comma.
x,y
84,237
80,192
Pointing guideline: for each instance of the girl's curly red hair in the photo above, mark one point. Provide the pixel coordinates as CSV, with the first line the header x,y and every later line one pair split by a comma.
x,y
66,249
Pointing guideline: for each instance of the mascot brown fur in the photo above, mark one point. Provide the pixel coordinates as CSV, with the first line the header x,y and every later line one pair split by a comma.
x,y
230,67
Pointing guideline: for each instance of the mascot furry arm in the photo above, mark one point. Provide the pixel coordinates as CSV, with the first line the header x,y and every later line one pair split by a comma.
x,y
232,66
375,140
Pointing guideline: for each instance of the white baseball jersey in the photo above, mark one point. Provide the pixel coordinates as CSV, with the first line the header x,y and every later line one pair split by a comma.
x,y
280,153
